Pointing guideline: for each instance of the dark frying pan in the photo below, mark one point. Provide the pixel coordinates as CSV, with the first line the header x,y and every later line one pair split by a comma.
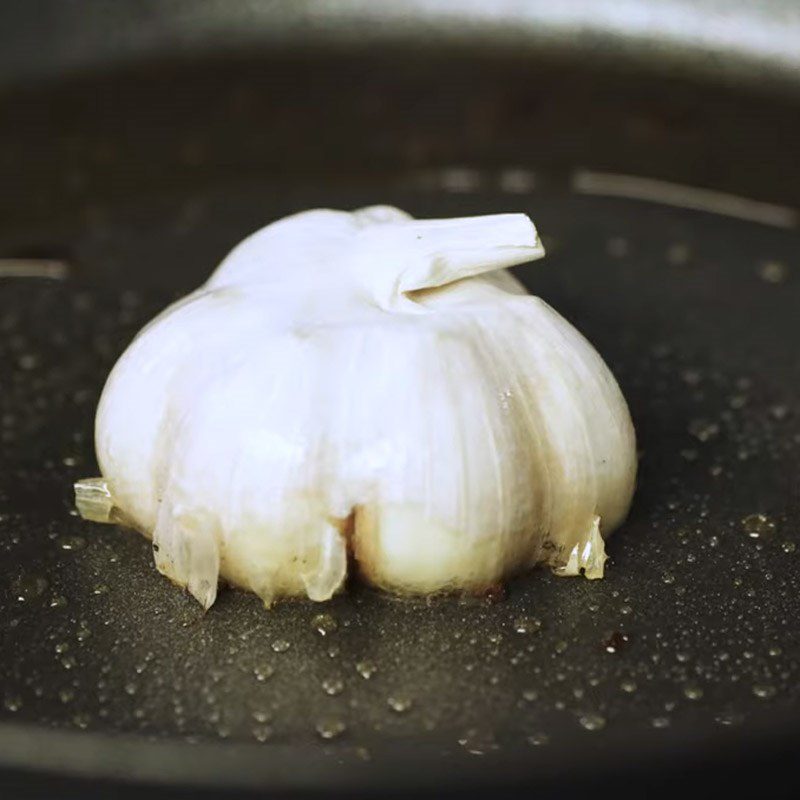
x,y
656,146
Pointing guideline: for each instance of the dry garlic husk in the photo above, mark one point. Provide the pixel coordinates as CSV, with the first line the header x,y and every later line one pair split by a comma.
x,y
364,391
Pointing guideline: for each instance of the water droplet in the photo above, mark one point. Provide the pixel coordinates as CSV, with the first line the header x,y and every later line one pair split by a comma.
x,y
592,722
62,647
692,691
764,691
561,647
758,526
28,587
530,695
333,686
280,645
131,688
261,733
100,588
366,669
538,739
775,651
399,703
330,727
660,722
263,672
71,542
324,624
628,686
68,662
58,601
525,624
261,716
788,547
478,742
66,696
779,412
626,610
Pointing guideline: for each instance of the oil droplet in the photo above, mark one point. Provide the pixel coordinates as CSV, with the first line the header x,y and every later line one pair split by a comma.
x,y
561,647
100,588
538,739
68,662
58,601
478,742
758,526
775,651
592,722
628,686
764,691
692,691
28,587
12,702
660,722
530,695
525,624
62,647
330,727
261,733
788,547
280,645
366,669
72,542
131,688
333,686
333,651
66,696
261,716
263,672
324,624
399,703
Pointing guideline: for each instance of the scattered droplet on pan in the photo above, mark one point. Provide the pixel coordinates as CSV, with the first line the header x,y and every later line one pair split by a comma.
x,y
764,691
660,722
729,719
592,722
538,739
628,686
330,727
263,672
26,588
399,703
324,624
692,691
366,669
526,624
478,742
773,271
333,686
71,542
758,526
280,645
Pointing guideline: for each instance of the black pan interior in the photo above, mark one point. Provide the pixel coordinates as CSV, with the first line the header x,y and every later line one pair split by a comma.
x,y
689,646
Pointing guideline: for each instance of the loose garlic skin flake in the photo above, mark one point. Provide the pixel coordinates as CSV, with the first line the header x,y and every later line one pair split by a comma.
x,y
369,385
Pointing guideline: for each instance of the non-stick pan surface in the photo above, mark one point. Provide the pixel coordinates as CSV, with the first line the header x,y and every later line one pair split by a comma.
x,y
683,662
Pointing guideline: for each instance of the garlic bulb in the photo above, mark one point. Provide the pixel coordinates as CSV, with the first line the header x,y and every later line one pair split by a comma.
x,y
367,389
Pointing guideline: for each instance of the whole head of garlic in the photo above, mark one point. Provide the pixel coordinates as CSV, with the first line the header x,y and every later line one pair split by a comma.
x,y
364,391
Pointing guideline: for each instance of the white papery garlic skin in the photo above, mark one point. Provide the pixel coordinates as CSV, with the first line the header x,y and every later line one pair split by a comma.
x,y
370,389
